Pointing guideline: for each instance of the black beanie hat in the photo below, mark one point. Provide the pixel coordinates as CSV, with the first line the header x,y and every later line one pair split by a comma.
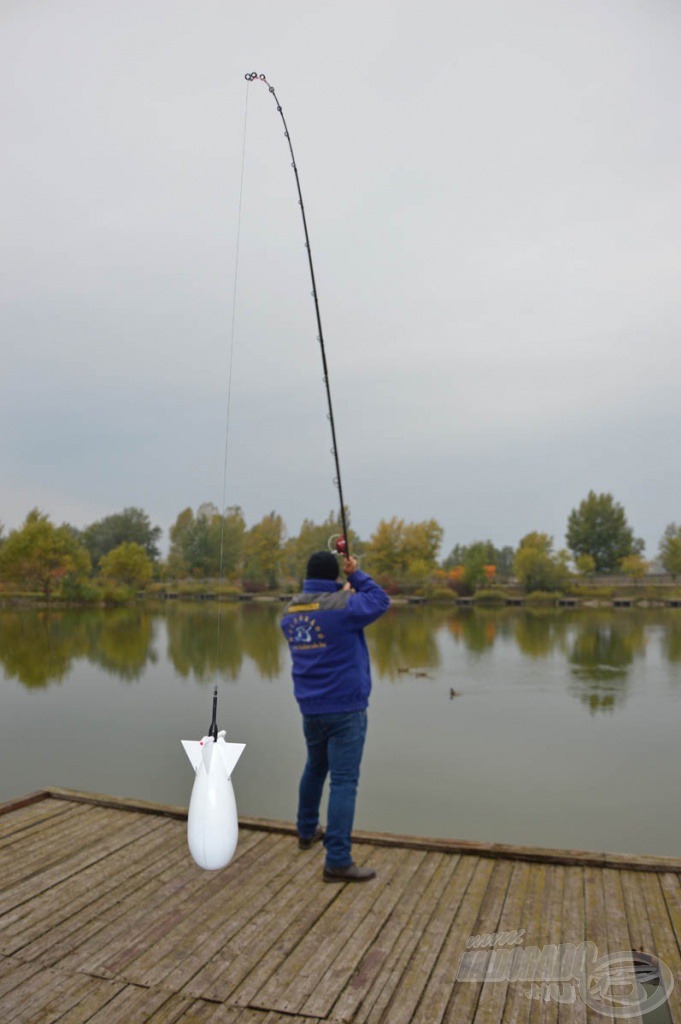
x,y
322,566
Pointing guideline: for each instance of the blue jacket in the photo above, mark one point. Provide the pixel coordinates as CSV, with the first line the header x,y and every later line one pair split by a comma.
x,y
324,626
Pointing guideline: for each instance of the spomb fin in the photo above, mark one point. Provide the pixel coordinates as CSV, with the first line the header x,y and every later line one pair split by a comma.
x,y
193,750
230,753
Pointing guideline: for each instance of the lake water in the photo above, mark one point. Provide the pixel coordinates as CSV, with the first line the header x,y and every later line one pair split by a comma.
x,y
565,731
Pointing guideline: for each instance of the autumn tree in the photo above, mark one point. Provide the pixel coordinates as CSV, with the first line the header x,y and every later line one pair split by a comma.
x,y
132,525
537,567
599,528
41,555
128,564
263,552
670,549
314,537
634,566
401,550
385,548
500,558
477,557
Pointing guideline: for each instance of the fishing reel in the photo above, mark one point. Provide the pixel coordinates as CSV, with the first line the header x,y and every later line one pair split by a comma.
x,y
338,545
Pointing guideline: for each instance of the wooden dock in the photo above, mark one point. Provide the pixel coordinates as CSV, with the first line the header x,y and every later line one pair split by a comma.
x,y
104,919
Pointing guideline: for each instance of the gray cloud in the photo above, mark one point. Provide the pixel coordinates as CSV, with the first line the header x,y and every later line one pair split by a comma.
x,y
494,203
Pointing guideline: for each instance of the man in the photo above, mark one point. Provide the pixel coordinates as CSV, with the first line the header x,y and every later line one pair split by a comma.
x,y
324,626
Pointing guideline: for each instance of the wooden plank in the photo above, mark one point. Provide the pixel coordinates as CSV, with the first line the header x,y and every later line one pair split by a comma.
x,y
492,999
50,1002
56,841
665,945
313,905
25,1003
9,806
457,910
251,939
98,996
288,988
671,889
114,839
178,1010
30,814
572,933
408,923
595,923
198,935
368,929
154,938
462,846
132,1005
617,929
47,830
15,974
118,803
313,901
544,1010
517,1004
453,998
63,938
438,993
147,913
636,913
46,910
256,918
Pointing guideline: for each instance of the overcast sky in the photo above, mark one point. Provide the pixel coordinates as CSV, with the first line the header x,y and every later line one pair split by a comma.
x,y
493,192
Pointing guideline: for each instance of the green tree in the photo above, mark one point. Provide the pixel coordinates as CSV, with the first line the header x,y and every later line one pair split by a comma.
x,y
635,566
537,567
207,544
599,528
585,565
41,555
132,525
263,553
128,564
670,549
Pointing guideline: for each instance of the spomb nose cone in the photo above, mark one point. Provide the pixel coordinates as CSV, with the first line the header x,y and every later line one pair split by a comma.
x,y
212,826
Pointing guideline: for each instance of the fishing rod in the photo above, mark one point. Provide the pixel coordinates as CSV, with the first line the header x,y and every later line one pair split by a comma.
x,y
342,543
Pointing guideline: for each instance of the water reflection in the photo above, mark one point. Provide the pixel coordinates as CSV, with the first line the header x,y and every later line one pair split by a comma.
x,y
199,647
598,647
40,647
193,646
671,636
601,655
403,640
540,632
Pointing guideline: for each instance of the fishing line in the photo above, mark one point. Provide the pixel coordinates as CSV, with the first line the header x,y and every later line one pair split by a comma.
x,y
342,543
229,385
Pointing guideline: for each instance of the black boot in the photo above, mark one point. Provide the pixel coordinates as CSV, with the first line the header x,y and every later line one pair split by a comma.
x,y
305,844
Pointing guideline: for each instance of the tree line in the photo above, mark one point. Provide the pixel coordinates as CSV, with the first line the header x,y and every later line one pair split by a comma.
x,y
122,551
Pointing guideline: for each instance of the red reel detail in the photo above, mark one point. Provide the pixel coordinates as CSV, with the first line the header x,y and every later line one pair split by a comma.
x,y
342,546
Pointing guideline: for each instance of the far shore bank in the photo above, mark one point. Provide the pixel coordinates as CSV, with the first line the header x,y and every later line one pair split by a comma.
x,y
616,593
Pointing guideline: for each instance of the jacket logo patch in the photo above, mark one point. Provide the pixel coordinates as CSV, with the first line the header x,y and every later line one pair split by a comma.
x,y
304,633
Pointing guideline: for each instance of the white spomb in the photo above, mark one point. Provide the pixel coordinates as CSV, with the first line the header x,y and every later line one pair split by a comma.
x,y
212,824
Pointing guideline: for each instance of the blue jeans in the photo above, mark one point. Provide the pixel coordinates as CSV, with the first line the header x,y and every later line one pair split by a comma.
x,y
334,746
